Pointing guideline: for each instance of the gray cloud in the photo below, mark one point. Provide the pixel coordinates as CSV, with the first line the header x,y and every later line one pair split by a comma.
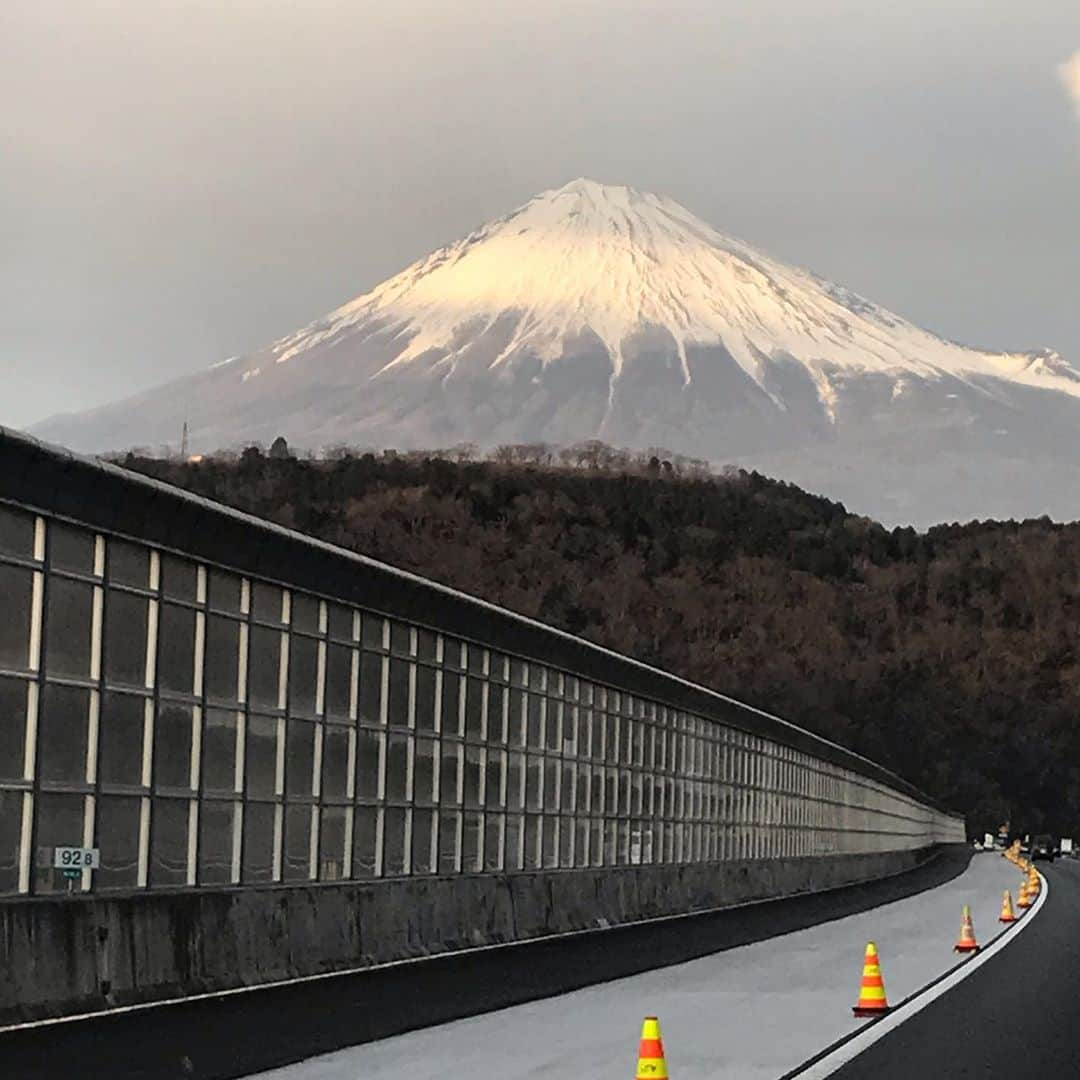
x,y
1069,73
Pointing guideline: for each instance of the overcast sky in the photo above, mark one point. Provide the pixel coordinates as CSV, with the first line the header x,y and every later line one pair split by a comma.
x,y
181,182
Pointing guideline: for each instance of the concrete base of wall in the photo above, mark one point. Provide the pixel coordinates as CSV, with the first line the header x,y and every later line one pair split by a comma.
x,y
67,956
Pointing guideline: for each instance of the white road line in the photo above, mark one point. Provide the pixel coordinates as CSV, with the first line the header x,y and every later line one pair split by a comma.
x,y
851,1049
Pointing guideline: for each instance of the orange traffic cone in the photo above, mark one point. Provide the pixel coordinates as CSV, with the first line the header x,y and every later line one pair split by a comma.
x,y
1025,900
872,1001
1007,913
966,942
651,1062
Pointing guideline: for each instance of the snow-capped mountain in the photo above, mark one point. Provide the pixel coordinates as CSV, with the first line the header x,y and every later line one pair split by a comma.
x,y
597,311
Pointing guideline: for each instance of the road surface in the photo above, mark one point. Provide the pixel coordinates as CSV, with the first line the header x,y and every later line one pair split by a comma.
x,y
1018,1016
754,1012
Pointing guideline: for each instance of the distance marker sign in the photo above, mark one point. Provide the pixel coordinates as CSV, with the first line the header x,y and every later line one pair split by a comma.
x,y
76,858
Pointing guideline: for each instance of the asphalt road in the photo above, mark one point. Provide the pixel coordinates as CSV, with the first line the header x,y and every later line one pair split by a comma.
x,y
752,1013
1017,1016
229,1036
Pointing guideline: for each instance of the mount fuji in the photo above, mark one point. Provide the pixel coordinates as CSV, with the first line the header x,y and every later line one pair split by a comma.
x,y
603,312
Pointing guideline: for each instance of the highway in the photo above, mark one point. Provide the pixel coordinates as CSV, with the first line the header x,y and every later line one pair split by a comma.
x,y
1018,1016
224,1036
756,1012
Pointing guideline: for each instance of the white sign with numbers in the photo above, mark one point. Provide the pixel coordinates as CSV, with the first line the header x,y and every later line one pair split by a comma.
x,y
76,858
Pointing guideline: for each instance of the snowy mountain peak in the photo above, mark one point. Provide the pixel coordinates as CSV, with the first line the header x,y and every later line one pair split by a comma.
x,y
603,311
613,263
595,203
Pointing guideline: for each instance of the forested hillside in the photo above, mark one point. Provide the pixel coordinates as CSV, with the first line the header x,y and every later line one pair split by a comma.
x,y
949,656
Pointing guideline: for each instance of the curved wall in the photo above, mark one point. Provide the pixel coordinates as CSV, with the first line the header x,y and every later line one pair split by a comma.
x,y
222,707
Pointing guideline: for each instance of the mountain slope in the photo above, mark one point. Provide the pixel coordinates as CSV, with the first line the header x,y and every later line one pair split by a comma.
x,y
596,311
949,656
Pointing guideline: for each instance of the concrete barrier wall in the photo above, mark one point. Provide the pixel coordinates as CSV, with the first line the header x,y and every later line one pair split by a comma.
x,y
68,956
680,778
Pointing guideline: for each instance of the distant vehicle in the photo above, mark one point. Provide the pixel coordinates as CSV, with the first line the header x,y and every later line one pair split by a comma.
x,y
1042,847
1066,846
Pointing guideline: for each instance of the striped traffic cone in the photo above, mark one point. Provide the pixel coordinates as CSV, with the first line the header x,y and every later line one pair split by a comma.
x,y
1007,913
1034,882
966,942
872,1001
651,1062
1025,900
